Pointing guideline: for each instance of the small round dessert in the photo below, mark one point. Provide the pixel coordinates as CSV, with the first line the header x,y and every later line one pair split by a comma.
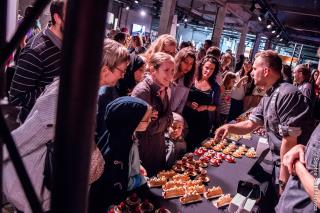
x,y
226,151
119,208
204,159
237,154
232,145
203,176
230,159
217,148
178,167
243,148
214,162
133,201
220,155
184,160
146,206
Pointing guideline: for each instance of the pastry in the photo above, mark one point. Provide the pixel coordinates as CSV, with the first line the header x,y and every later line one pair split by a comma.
x,y
184,160
146,206
223,200
119,208
220,155
162,210
133,201
222,145
199,189
204,159
232,145
190,197
215,162
189,156
226,151
199,152
237,154
230,159
234,137
213,192
243,148
203,177
193,183
167,174
173,192
217,148
251,153
172,184
247,136
191,171
178,167
207,144
182,177
155,182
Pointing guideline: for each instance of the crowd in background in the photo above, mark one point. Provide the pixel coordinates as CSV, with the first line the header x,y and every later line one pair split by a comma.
x,y
157,100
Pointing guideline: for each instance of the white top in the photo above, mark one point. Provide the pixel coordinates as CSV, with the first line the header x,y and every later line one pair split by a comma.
x,y
238,93
179,96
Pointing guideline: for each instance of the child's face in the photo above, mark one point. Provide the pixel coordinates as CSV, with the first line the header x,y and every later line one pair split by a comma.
x,y
231,83
175,130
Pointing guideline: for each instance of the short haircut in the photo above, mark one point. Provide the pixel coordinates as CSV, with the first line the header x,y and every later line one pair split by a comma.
x,y
119,37
56,7
114,54
272,59
214,51
306,72
158,58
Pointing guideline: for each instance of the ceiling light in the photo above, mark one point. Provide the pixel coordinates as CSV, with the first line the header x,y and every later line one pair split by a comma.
x,y
127,8
269,26
143,13
278,35
205,28
260,18
136,1
178,25
273,31
185,20
281,39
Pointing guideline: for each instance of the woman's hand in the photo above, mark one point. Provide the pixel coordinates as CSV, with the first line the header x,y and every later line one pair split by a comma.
x,y
202,108
194,105
143,171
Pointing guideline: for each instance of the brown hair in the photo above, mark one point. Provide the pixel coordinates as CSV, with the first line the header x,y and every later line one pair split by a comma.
x,y
159,44
306,72
227,78
114,54
158,58
181,56
214,51
272,59
137,39
213,60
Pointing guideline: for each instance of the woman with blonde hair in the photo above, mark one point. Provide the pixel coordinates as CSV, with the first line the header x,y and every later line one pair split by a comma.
x,y
164,43
153,90
185,67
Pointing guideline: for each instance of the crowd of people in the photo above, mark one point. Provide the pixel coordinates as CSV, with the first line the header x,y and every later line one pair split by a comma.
x,y
156,102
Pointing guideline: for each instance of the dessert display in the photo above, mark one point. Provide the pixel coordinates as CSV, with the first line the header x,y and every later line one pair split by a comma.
x,y
146,206
191,171
214,192
204,160
133,201
184,160
223,201
243,148
182,177
203,177
251,153
222,145
162,210
178,167
227,151
119,208
220,155
233,146
172,184
156,182
173,192
199,189
247,136
167,174
230,159
190,197
200,151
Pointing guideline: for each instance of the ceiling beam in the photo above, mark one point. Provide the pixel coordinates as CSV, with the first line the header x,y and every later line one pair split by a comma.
x,y
296,10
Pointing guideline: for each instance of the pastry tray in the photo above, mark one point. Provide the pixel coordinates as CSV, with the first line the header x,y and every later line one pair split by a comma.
x,y
191,201
212,197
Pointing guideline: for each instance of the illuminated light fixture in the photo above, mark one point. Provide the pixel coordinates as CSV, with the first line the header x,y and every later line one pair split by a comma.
x,y
278,35
260,18
269,26
178,25
127,8
185,20
273,31
136,1
281,39
143,13
205,28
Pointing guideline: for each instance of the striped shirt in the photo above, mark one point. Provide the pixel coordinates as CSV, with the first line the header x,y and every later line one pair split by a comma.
x,y
38,64
225,102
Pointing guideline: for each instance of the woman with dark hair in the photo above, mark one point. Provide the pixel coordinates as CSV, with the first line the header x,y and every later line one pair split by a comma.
x,y
286,74
124,116
136,45
202,102
185,67
134,74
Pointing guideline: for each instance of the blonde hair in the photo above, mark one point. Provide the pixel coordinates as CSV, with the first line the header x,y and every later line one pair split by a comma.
x,y
113,54
159,44
158,58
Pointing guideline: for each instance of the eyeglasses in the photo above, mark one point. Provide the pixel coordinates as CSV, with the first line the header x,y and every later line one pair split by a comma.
x,y
123,71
